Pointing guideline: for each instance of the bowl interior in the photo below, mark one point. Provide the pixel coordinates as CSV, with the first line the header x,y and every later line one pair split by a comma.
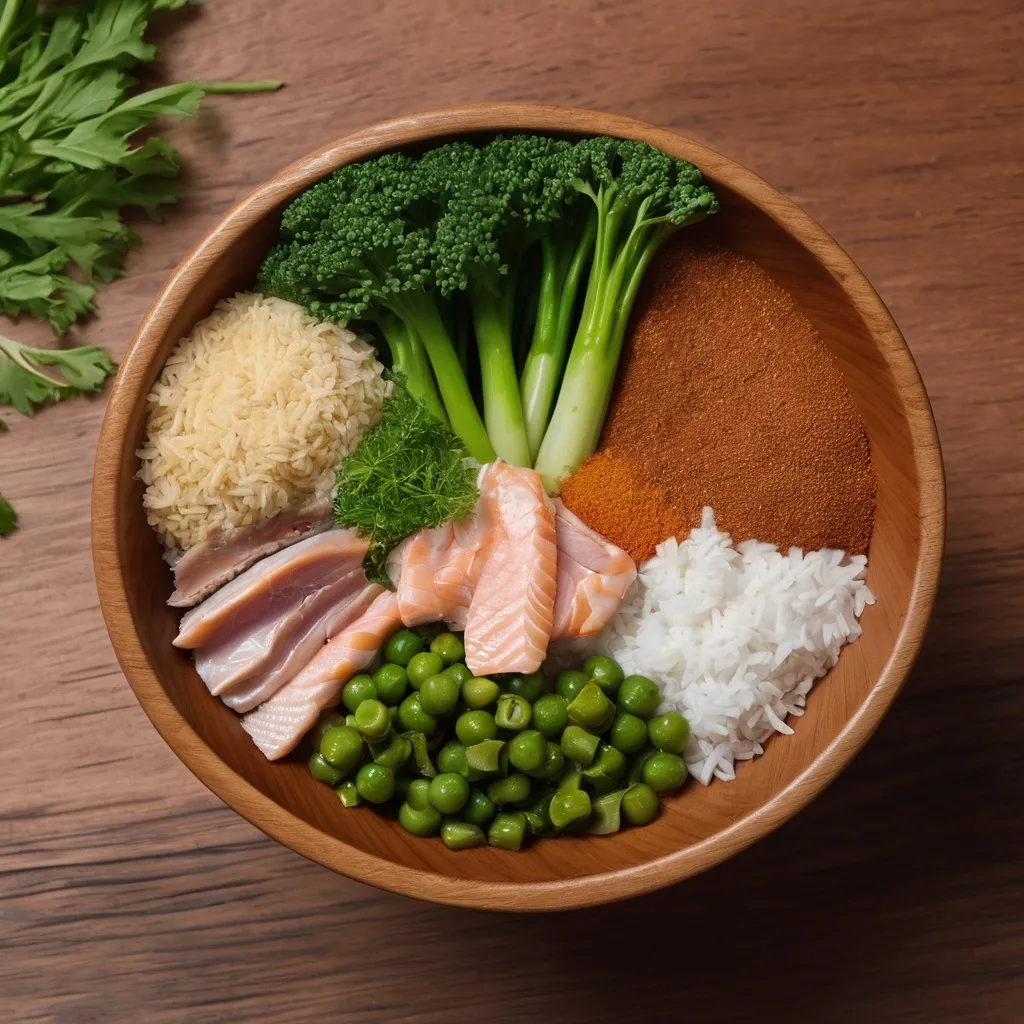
x,y
696,828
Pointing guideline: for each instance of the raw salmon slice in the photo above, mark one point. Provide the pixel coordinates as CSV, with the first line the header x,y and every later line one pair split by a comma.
x,y
215,561
277,726
509,622
272,587
593,577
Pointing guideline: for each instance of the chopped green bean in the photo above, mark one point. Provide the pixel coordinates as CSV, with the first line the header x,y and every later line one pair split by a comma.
x,y
508,830
461,835
579,745
591,709
604,817
512,790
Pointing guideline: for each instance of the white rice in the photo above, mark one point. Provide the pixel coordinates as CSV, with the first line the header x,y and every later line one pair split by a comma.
x,y
735,637
250,415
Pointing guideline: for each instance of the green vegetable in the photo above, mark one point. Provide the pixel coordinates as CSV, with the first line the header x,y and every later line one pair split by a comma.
x,y
342,748
439,694
628,732
358,689
452,758
423,666
401,647
508,830
8,518
641,196
639,696
417,796
421,754
639,804
372,719
528,687
479,808
390,682
569,682
348,794
549,715
68,167
449,792
512,712
570,804
393,754
579,745
474,726
605,813
322,771
22,383
412,716
327,720
663,772
448,647
408,472
458,672
479,692
591,709
553,763
461,835
484,758
538,817
605,672
421,822
375,783
511,790
669,732
607,768
527,750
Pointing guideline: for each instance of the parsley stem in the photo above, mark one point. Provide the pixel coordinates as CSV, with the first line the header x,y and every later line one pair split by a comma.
x,y
223,88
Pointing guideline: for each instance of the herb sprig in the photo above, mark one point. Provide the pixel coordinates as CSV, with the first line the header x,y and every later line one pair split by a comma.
x,y
409,471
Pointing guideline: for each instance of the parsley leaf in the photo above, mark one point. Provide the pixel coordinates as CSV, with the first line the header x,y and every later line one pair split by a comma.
x,y
26,387
8,518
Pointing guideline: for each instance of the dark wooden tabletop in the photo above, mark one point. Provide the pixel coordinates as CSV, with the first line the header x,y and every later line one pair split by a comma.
x,y
130,893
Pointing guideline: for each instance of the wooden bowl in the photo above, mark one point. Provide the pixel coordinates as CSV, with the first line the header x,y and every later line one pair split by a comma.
x,y
701,826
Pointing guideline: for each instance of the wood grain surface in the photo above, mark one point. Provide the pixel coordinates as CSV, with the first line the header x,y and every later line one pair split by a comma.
x,y
129,893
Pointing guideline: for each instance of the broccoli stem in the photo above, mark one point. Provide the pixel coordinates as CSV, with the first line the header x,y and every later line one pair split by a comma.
x,y
561,275
420,312
503,409
410,358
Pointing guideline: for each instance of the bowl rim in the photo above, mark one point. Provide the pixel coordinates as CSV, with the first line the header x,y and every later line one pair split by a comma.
x,y
279,823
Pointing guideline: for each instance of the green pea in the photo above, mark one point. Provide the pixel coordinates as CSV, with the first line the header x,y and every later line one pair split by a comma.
x,y
342,747
452,758
485,757
358,689
420,822
323,771
507,830
591,709
401,647
663,772
448,647
474,726
375,783
639,804
458,672
413,717
480,692
538,817
391,682
449,792
373,719
528,687
393,754
479,808
579,745
569,682
327,720
605,672
461,835
569,807
348,794
526,750
606,769
605,814
512,712
439,694
417,795
549,715
553,763
628,732
669,732
421,667
512,790
639,696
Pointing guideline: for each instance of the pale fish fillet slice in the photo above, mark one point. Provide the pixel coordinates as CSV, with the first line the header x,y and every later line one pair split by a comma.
x,y
436,570
593,577
277,726
510,617
307,565
215,561
344,611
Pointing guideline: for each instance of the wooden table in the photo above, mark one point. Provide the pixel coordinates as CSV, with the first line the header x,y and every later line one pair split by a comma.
x,y
129,893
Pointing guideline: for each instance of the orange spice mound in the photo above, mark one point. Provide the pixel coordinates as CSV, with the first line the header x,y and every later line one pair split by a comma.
x,y
726,396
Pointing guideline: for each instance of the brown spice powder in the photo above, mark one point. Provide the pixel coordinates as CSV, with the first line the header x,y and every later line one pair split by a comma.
x,y
726,396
